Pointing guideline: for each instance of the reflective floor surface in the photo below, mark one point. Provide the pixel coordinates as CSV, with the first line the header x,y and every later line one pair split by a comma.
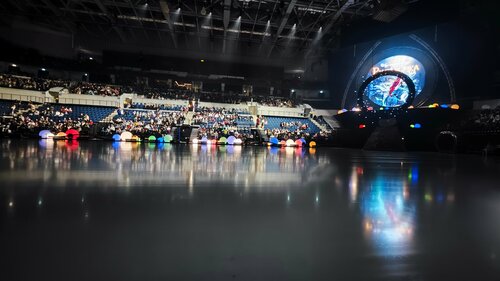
x,y
103,211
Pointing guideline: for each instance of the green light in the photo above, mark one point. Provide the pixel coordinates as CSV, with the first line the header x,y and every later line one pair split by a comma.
x,y
428,197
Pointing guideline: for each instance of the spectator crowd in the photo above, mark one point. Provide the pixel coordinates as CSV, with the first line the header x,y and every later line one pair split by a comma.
x,y
160,92
486,120
25,118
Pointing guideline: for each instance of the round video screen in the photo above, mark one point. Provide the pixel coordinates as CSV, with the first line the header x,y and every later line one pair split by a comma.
x,y
392,91
387,91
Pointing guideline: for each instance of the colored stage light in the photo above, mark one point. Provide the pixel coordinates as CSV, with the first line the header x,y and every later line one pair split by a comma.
x,y
455,106
444,106
362,126
412,126
418,126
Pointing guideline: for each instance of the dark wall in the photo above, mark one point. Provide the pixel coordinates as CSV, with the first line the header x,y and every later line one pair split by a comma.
x,y
420,15
192,66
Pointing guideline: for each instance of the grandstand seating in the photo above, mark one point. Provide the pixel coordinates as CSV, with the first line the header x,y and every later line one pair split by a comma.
x,y
230,110
274,122
242,111
245,121
5,107
171,107
322,122
130,114
96,113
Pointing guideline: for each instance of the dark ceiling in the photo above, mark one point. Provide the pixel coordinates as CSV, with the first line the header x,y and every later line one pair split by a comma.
x,y
262,28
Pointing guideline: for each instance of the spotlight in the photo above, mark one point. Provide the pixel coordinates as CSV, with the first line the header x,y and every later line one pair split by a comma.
x,y
42,69
13,65
91,58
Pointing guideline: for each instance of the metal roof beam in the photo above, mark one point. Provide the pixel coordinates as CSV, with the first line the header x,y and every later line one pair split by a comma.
x,y
105,11
226,17
284,20
333,20
166,14
58,14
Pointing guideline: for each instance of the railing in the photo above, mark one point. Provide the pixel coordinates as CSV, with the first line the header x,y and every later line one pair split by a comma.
x,y
22,95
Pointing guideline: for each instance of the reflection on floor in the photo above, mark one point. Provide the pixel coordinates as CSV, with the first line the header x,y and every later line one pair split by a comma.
x,y
129,211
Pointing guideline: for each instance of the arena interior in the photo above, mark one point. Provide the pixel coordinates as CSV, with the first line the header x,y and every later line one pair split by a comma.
x,y
250,140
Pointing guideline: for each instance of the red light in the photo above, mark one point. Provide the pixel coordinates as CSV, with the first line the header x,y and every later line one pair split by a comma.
x,y
361,126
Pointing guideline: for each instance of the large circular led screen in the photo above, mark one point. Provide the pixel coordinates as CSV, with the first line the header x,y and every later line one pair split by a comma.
x,y
391,91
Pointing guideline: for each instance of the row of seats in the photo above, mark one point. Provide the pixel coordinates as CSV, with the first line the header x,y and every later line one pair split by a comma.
x,y
274,122
220,109
130,114
173,107
96,113
5,107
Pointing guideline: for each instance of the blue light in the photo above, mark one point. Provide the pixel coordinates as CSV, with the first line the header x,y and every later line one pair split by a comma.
x,y
389,91
161,145
418,126
388,219
440,197
413,174
444,106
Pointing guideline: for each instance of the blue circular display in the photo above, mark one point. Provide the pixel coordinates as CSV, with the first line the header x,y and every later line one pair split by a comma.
x,y
392,91
387,91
